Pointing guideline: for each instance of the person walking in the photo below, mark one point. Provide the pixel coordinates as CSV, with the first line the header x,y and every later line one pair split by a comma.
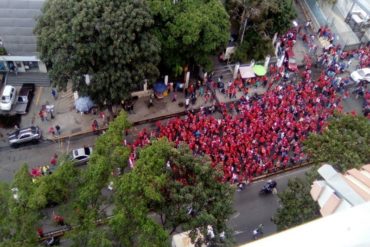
x,y
54,93
45,115
54,160
57,128
41,115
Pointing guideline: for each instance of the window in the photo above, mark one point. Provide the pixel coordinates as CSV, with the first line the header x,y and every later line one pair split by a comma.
x,y
81,157
25,136
5,99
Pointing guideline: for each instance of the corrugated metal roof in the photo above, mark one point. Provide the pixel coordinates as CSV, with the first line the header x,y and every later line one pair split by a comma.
x,y
350,189
336,181
17,21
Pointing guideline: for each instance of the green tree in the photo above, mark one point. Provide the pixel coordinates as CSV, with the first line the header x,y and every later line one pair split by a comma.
x,y
298,206
89,204
190,31
169,188
345,143
19,221
112,41
257,22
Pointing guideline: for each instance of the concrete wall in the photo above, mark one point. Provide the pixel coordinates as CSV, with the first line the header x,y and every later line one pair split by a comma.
x,y
17,21
343,7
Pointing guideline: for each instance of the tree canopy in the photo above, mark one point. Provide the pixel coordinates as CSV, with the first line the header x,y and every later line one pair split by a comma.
x,y
169,189
190,31
111,41
298,206
345,144
257,22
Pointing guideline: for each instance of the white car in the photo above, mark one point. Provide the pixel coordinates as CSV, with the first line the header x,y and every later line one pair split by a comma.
x,y
361,75
7,98
81,156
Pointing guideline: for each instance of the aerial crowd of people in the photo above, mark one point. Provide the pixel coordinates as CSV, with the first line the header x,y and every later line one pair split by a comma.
x,y
263,133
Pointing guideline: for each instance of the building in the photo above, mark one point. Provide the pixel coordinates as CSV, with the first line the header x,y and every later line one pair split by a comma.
x,y
17,21
344,200
343,229
338,192
349,19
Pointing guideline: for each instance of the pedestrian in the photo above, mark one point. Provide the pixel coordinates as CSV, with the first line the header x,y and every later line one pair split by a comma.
x,y
51,113
151,101
54,93
308,24
57,128
52,131
41,115
40,232
174,97
95,127
16,127
45,115
187,103
59,220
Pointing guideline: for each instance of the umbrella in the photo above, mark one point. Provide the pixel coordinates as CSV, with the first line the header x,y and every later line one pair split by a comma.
x,y
84,104
259,70
159,87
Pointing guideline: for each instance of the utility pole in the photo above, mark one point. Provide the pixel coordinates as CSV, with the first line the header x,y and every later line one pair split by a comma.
x,y
244,27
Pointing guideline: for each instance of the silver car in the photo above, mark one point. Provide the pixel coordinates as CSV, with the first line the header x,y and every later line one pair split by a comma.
x,y
30,134
361,75
81,156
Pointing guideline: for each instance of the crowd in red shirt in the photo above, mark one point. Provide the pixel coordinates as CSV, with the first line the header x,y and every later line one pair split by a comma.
x,y
260,135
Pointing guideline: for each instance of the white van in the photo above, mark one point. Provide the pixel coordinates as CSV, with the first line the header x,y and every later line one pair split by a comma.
x,y
7,98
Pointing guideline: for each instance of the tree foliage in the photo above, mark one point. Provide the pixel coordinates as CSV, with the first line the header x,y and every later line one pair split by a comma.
x,y
345,143
298,207
18,220
112,41
190,31
169,188
261,19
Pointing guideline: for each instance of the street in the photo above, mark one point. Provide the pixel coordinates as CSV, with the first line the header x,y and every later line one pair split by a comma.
x,y
252,209
12,159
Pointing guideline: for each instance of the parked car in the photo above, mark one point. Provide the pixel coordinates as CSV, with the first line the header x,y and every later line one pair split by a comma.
x,y
24,98
30,134
7,98
81,156
361,75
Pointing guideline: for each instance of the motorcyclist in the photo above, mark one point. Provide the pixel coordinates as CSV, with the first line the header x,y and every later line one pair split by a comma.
x,y
269,186
258,231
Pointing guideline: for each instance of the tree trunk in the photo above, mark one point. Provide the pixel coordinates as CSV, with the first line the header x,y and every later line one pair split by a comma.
x,y
110,110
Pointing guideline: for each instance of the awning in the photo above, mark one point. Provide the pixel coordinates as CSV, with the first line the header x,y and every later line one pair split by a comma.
x,y
19,58
246,72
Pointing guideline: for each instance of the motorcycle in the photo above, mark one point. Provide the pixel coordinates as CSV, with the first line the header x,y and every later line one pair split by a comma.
x,y
268,187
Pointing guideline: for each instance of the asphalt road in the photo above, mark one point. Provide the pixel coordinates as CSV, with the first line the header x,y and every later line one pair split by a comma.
x,y
252,209
12,159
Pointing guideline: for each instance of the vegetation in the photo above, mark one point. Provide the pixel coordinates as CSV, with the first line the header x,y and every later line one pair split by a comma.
x,y
168,190
298,206
111,41
345,144
189,31
257,22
